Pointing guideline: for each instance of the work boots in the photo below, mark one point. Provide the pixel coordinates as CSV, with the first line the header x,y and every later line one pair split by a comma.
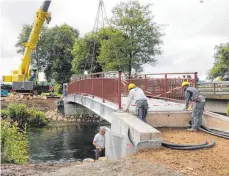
x,y
192,129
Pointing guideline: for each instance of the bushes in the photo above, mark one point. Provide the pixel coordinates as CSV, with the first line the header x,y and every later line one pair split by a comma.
x,y
14,144
24,116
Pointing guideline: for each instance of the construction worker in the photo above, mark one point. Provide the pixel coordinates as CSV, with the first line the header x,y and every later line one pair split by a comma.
x,y
192,94
136,94
99,143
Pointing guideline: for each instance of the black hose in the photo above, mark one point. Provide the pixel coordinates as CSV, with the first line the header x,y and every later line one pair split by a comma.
x,y
216,131
193,147
220,132
130,138
212,133
165,144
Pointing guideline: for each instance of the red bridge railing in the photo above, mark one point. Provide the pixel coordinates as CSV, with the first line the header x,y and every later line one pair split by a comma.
x,y
110,86
163,85
106,85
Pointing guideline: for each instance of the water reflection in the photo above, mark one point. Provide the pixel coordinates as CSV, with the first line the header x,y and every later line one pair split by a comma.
x,y
60,144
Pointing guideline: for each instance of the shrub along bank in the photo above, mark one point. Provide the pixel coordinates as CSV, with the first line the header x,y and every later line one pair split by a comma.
x,y
14,143
26,117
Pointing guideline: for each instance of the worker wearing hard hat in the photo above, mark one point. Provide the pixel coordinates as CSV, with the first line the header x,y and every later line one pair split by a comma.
x,y
192,94
137,94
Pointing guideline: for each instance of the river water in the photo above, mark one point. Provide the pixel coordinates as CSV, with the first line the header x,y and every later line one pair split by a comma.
x,y
61,144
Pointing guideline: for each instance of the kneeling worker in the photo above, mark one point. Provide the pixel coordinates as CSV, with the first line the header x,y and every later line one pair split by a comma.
x,y
99,143
192,94
137,94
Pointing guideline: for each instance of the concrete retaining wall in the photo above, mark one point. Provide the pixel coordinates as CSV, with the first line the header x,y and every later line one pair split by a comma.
x,y
181,119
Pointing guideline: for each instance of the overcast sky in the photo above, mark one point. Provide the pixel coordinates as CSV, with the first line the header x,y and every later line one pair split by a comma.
x,y
191,33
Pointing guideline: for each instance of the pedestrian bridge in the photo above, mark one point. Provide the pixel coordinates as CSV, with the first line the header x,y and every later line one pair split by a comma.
x,y
106,95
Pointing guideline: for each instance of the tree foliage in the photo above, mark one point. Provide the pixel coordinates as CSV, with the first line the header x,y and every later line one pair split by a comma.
x,y
53,51
111,55
132,40
86,52
138,40
14,144
221,65
25,117
59,42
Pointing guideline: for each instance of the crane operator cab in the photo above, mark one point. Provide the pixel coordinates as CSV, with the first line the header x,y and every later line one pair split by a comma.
x,y
34,76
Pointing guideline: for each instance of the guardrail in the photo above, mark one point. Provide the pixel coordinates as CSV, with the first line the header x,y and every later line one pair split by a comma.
x,y
110,86
163,85
219,88
101,85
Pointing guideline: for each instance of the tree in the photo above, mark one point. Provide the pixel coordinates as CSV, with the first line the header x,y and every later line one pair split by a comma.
x,y
112,55
59,42
85,52
221,65
138,41
53,51
37,56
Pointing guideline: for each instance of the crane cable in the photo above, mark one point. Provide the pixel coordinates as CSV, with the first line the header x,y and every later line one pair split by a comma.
x,y
101,10
95,29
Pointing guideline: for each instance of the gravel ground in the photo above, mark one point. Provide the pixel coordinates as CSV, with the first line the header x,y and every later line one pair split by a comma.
x,y
205,162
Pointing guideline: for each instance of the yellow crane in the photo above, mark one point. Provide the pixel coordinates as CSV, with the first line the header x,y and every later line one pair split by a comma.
x,y
21,78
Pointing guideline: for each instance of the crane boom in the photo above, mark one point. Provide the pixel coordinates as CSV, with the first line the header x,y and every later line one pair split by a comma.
x,y
23,73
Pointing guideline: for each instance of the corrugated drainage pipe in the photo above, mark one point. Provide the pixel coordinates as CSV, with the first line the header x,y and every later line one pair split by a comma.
x,y
214,133
177,146
183,145
190,147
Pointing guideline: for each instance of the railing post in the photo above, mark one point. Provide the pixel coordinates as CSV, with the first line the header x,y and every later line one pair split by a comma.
x,y
119,90
165,87
195,78
145,84
214,88
80,82
92,79
102,89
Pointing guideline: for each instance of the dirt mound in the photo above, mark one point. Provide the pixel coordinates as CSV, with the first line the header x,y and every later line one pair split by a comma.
x,y
121,167
42,105
25,97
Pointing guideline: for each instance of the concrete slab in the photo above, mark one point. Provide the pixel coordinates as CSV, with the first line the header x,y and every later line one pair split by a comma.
x,y
156,105
216,121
